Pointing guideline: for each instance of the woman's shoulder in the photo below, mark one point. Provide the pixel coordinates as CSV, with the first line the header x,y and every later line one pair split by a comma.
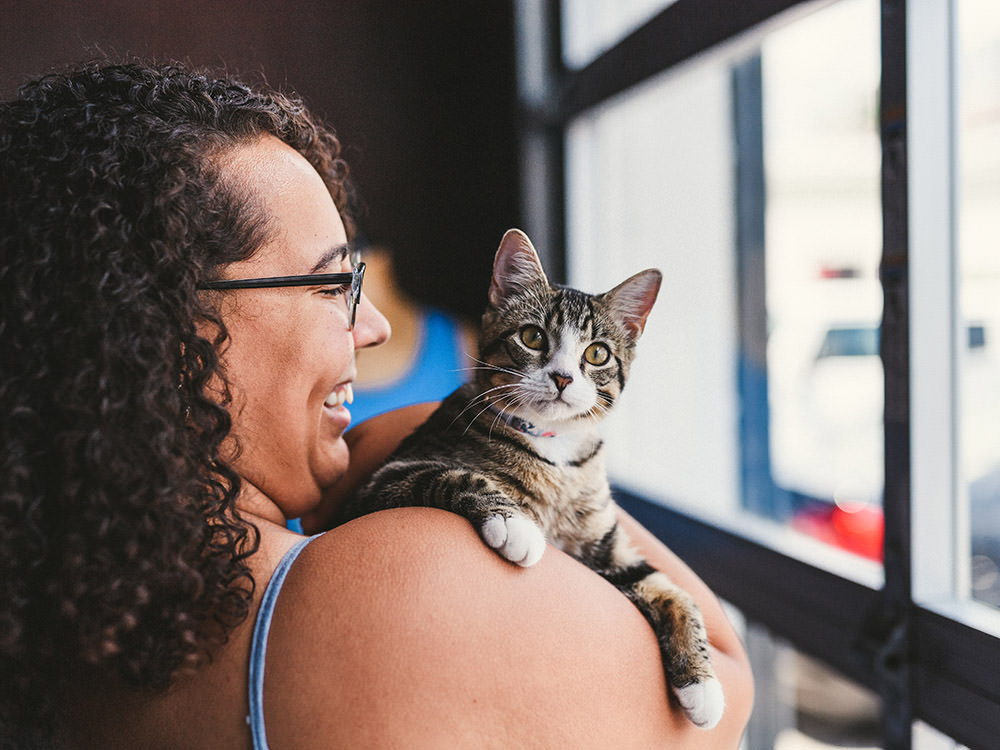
x,y
402,627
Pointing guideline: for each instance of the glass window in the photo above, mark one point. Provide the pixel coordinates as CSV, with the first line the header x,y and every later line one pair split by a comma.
x,y
590,27
978,215
649,184
823,237
801,704
752,174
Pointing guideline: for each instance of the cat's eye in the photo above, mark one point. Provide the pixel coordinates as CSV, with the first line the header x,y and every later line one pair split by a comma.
x,y
597,354
533,337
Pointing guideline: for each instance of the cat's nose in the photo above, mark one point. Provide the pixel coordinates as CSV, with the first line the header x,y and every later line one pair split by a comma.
x,y
561,380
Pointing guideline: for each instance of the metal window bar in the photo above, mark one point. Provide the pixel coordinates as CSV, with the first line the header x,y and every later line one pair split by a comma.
x,y
924,665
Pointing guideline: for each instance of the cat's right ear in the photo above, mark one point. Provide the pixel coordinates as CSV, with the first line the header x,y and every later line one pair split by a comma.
x,y
515,266
633,299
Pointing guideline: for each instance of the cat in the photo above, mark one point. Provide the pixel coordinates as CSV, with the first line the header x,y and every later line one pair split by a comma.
x,y
517,451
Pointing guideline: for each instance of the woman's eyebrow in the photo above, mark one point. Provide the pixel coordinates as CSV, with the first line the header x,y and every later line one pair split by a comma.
x,y
337,253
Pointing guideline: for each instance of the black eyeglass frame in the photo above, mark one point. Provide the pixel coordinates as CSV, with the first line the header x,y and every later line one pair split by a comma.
x,y
355,276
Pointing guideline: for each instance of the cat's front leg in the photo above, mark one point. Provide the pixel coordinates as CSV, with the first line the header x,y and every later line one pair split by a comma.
x,y
515,538
504,525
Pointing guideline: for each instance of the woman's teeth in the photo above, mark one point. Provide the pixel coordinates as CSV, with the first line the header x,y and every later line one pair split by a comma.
x,y
340,395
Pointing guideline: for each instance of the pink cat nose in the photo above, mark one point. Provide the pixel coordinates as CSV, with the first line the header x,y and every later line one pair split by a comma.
x,y
561,380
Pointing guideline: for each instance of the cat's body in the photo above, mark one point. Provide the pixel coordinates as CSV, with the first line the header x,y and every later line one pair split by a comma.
x,y
517,450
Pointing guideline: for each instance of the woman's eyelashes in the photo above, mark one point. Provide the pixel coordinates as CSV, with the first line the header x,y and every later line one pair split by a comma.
x,y
336,291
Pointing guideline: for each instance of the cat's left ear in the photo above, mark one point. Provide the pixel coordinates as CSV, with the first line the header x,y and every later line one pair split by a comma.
x,y
633,299
516,266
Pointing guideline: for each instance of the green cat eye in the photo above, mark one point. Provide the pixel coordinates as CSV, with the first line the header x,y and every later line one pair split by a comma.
x,y
533,337
597,354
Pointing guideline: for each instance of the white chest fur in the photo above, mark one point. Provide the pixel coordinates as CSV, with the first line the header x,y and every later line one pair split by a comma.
x,y
565,447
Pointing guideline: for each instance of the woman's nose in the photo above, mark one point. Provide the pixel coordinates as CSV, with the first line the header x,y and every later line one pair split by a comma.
x,y
370,326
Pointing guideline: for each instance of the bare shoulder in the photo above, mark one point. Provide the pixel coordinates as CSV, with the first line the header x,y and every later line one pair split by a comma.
x,y
402,629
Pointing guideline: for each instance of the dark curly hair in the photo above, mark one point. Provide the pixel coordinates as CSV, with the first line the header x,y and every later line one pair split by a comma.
x,y
120,546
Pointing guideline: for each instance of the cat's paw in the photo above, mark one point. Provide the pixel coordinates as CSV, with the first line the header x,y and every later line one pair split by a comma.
x,y
702,702
516,539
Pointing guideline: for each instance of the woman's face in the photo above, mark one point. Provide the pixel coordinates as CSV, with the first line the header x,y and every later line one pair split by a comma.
x,y
290,361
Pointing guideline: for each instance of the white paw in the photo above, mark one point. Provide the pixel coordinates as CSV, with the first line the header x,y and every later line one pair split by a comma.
x,y
702,702
516,539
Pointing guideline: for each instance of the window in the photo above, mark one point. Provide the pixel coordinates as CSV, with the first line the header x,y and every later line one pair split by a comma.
x,y
812,417
978,208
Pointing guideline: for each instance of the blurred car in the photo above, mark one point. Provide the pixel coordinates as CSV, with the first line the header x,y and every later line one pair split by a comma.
x,y
826,404
826,394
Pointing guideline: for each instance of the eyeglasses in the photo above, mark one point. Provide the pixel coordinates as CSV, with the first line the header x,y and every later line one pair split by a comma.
x,y
354,277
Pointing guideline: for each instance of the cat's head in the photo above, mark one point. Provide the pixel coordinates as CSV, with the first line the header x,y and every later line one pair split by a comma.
x,y
554,355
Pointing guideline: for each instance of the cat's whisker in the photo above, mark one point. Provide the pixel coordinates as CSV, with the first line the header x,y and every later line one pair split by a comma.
x,y
524,397
492,367
480,400
500,415
484,398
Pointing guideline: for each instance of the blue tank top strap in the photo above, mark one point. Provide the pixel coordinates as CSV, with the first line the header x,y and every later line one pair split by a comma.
x,y
258,647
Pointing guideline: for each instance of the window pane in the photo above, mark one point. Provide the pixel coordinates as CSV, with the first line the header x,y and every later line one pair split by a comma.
x,y
590,27
649,180
653,180
823,238
800,704
978,123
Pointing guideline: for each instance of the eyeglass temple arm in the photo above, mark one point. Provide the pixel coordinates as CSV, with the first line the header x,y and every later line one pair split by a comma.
x,y
279,281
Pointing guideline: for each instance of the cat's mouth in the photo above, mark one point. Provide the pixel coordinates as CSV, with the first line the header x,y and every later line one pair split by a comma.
x,y
557,409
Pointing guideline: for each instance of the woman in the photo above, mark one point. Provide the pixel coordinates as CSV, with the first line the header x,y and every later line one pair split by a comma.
x,y
163,423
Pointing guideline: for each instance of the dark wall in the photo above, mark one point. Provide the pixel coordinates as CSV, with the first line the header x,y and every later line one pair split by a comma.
x,y
420,93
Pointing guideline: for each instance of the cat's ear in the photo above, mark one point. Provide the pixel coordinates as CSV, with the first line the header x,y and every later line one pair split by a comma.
x,y
633,299
516,266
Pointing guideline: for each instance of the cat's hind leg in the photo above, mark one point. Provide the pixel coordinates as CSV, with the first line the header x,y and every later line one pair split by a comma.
x,y
683,645
674,617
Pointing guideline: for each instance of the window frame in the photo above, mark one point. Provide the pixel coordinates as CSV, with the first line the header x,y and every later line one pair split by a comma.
x,y
925,663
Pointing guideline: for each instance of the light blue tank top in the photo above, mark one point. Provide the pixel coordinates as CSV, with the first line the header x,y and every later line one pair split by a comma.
x,y
258,648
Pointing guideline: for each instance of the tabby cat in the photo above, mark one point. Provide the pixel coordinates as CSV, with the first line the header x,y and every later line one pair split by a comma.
x,y
517,449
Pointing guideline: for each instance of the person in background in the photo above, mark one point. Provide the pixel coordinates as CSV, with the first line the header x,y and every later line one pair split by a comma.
x,y
427,356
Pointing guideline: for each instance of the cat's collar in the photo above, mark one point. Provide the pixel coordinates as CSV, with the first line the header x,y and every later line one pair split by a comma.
x,y
521,425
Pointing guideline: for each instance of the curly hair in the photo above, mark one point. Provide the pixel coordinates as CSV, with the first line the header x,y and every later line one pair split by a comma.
x,y
120,544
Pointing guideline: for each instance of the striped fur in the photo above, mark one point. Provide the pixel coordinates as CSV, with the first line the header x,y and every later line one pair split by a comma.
x,y
553,360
